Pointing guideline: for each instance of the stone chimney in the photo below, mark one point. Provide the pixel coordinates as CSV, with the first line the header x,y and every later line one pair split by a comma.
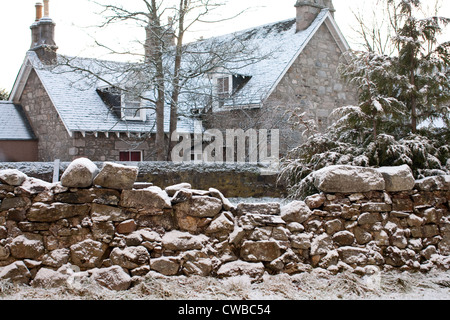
x,y
43,34
307,11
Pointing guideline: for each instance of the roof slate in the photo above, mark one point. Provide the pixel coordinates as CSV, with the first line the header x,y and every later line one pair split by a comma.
x,y
13,123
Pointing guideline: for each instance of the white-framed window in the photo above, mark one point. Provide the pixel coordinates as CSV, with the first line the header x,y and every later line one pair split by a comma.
x,y
132,108
224,86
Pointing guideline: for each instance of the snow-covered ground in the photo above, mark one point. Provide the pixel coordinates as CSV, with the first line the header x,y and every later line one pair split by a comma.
x,y
316,285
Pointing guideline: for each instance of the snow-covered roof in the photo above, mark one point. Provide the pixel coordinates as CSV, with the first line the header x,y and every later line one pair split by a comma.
x,y
276,46
13,123
80,107
75,97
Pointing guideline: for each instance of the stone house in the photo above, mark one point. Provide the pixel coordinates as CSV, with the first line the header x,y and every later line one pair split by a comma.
x,y
74,116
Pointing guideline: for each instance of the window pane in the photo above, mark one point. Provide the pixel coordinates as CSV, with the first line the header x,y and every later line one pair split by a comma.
x,y
124,156
135,156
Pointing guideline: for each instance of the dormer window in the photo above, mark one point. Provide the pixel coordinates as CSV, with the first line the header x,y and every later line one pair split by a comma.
x,y
224,85
132,107
228,85
126,105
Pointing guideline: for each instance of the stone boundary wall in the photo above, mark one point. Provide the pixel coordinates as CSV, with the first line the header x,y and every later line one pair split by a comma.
x,y
234,180
93,226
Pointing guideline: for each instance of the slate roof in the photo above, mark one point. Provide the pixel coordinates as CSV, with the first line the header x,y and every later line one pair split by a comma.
x,y
279,45
13,123
78,103
75,96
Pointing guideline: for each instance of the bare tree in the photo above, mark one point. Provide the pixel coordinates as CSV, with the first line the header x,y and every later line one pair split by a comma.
x,y
168,69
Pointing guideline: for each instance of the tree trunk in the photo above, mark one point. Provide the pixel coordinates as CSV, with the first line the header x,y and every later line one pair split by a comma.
x,y
413,105
176,76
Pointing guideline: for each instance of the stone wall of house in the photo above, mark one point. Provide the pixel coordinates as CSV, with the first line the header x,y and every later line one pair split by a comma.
x,y
102,147
94,226
54,140
313,82
313,85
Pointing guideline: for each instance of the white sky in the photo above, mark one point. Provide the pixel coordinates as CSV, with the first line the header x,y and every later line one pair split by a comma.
x,y
74,37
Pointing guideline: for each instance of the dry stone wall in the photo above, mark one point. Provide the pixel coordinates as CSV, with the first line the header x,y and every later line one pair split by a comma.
x,y
97,225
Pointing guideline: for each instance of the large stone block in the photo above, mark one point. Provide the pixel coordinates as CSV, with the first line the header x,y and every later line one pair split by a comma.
x,y
15,203
183,241
27,247
397,178
79,174
41,212
12,177
116,176
149,200
200,207
102,213
438,183
348,179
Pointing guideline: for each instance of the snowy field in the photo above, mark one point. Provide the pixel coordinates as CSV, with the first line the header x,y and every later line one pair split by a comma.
x,y
305,286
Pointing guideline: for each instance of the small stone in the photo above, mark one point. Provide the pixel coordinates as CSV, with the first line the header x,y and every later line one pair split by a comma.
x,y
258,208
113,278
259,251
27,247
130,257
16,273
168,266
220,224
239,268
376,207
171,190
315,201
126,227
333,226
49,278
87,254
321,245
149,200
414,221
295,227
344,238
369,218
296,211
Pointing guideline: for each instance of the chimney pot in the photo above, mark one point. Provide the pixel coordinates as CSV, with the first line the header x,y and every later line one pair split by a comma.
x,y
46,8
38,11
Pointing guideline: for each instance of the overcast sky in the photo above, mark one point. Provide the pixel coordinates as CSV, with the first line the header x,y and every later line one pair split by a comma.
x,y
74,36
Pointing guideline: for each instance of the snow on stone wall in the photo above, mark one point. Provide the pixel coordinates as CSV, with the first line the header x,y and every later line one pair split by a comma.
x,y
96,224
